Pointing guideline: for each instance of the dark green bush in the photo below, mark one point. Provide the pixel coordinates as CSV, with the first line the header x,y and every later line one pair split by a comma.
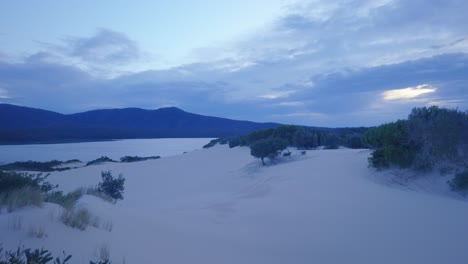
x,y
111,186
429,136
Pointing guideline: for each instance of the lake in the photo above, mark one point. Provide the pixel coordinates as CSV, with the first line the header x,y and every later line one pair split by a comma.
x,y
87,151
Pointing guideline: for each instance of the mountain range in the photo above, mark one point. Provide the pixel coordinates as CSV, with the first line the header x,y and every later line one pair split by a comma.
x,y
21,125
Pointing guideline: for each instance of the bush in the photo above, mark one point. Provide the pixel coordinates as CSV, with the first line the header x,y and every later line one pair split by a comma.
x,y
111,186
460,182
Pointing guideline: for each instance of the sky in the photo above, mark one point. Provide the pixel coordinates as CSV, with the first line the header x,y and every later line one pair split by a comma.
x,y
328,63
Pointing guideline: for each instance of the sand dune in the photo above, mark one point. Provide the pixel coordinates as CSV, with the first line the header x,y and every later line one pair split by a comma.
x,y
220,205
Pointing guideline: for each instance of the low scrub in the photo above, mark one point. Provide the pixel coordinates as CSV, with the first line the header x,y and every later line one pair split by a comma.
x,y
100,160
136,158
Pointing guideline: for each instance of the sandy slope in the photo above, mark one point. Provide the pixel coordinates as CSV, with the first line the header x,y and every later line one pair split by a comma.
x,y
221,206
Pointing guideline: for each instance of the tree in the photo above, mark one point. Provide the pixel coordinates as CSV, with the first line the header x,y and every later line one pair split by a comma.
x,y
270,148
111,186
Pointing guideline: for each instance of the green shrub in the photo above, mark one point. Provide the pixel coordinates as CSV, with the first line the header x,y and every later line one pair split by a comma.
x,y
21,189
430,136
111,186
460,182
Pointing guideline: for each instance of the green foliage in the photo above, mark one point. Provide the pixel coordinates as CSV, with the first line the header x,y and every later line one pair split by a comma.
x,y
136,158
111,186
255,136
460,182
13,180
305,139
29,256
22,189
100,160
270,147
391,146
430,135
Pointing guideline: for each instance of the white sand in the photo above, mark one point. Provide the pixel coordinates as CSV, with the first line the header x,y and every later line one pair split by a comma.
x,y
221,206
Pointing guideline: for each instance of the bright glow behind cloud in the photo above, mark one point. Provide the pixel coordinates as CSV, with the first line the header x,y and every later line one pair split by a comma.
x,y
408,93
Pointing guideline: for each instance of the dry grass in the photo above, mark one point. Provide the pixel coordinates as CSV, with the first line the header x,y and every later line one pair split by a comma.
x,y
21,197
79,218
37,231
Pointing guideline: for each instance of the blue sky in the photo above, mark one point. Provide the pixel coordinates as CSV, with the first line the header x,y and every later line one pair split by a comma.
x,y
319,63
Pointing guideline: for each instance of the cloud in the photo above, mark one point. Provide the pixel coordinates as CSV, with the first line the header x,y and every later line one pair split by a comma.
x,y
277,95
291,104
105,47
4,94
408,93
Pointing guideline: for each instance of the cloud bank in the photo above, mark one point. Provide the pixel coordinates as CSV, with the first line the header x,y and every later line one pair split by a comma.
x,y
322,63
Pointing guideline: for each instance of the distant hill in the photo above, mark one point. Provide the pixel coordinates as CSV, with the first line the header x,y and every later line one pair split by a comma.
x,y
22,125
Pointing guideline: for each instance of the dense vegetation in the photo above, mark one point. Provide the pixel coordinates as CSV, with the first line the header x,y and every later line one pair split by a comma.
x,y
431,136
268,143
300,137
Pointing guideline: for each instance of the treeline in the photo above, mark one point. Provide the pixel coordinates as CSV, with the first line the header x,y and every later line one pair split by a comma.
x,y
430,137
300,137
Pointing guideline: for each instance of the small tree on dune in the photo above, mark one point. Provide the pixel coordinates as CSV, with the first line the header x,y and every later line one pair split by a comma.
x,y
270,147
111,186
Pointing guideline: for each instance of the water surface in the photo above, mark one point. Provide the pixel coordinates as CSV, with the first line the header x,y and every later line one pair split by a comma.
x,y
87,151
